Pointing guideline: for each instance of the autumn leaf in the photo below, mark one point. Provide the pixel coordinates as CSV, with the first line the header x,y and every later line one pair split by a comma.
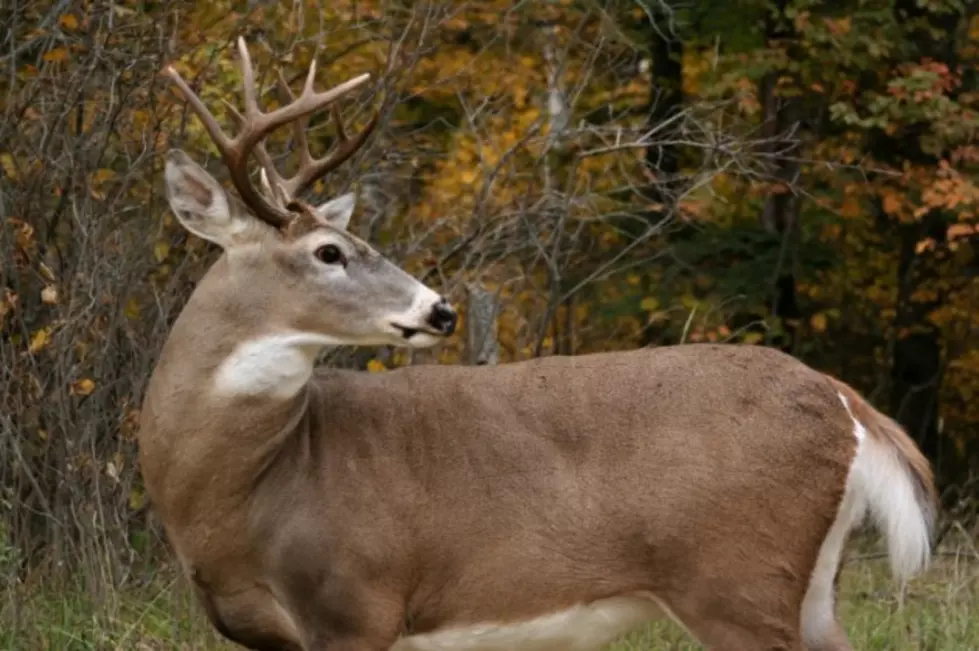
x,y
131,309
376,366
956,231
8,166
57,55
818,322
892,204
83,387
39,340
137,499
68,21
160,251
49,295
102,175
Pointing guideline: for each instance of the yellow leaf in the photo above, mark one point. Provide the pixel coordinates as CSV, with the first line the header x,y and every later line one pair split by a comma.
x,y
818,322
161,250
8,166
376,366
102,175
56,55
633,279
40,339
649,304
83,387
136,499
49,295
68,21
753,338
131,310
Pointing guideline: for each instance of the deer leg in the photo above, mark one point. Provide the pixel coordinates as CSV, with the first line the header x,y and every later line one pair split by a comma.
x,y
740,636
730,617
349,643
833,640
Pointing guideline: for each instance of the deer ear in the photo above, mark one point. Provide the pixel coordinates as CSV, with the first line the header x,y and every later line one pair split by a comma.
x,y
337,212
201,204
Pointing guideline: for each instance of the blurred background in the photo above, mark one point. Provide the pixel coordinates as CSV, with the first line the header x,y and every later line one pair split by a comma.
x,y
576,175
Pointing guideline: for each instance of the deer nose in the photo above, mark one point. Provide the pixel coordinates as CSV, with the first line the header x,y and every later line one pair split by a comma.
x,y
443,318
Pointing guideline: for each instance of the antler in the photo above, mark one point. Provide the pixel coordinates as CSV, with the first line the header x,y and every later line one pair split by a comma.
x,y
255,125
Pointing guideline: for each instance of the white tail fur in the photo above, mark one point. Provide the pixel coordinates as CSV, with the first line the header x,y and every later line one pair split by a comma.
x,y
881,483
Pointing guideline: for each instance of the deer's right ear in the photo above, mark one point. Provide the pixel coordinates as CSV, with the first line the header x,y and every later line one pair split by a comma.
x,y
201,204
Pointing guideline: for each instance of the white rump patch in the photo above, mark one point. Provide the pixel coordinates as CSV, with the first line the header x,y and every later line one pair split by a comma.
x,y
586,627
276,366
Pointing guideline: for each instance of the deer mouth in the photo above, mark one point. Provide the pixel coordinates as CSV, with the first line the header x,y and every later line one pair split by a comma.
x,y
407,332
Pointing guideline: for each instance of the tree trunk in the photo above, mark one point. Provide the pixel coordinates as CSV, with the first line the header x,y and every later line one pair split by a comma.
x,y
780,213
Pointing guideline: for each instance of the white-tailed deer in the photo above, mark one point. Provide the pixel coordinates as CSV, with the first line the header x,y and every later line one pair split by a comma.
x,y
545,505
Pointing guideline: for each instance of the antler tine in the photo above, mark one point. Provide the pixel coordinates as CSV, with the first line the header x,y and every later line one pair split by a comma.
x,y
271,179
300,125
311,169
254,126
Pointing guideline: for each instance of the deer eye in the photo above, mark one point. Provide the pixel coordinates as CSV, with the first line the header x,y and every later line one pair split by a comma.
x,y
330,254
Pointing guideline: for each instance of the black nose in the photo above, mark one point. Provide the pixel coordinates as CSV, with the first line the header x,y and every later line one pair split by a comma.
x,y
443,318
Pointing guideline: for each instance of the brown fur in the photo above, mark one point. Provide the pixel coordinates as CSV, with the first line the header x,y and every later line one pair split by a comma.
x,y
374,505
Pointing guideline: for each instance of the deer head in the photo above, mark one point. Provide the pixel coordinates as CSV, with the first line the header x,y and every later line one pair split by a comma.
x,y
302,268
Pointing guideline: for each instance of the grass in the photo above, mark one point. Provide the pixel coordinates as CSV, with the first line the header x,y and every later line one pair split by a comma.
x,y
940,612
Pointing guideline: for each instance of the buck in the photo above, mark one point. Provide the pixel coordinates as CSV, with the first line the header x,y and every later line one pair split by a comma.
x,y
549,504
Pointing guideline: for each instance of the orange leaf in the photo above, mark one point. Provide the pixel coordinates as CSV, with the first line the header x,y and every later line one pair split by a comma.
x,y
58,54
83,387
892,204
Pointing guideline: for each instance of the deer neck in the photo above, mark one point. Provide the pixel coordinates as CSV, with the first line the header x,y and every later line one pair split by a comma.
x,y
229,388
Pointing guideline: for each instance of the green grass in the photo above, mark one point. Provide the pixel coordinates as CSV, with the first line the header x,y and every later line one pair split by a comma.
x,y
940,612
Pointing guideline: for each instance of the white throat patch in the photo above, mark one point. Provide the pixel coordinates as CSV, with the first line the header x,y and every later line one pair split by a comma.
x,y
276,366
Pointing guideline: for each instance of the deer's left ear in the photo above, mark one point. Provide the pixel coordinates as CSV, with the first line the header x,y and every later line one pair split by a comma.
x,y
337,212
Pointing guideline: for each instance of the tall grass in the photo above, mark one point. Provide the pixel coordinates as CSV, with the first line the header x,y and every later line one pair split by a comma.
x,y
939,611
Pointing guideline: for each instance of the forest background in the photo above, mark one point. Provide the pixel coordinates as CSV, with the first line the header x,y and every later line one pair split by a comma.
x,y
791,173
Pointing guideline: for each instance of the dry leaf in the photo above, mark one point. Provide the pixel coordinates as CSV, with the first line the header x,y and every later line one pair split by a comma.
x,y
161,250
40,339
56,55
83,387
49,295
8,166
818,322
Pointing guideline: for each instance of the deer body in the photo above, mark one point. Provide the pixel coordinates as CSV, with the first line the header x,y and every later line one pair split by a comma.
x,y
535,506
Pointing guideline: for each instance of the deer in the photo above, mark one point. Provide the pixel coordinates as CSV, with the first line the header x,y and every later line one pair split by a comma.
x,y
536,505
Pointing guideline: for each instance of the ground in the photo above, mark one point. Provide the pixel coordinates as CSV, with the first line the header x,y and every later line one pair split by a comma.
x,y
940,612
